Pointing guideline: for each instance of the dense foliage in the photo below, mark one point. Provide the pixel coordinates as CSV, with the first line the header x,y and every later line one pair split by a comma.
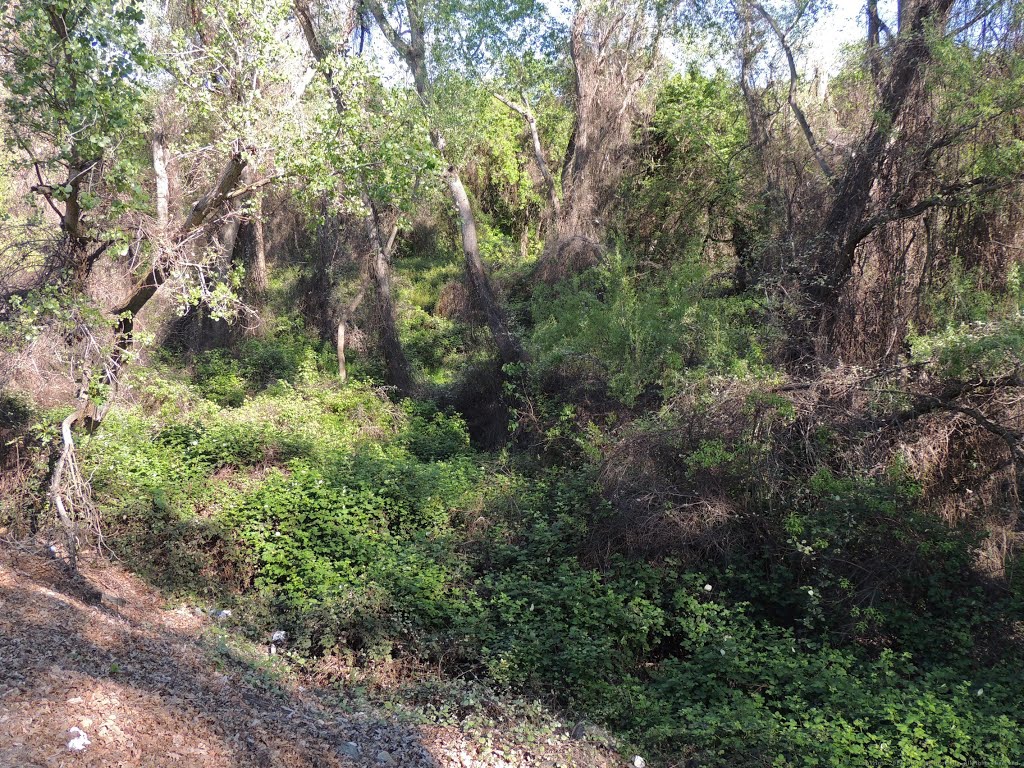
x,y
685,399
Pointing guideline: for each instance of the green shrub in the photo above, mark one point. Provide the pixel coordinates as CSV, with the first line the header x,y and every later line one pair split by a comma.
x,y
219,379
332,556
437,436
647,331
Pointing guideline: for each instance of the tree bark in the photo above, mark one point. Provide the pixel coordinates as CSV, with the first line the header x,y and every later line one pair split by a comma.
x,y
346,318
613,53
848,220
509,347
258,279
163,186
874,39
250,233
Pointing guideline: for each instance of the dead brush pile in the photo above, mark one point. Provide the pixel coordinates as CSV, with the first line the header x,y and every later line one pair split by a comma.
x,y
716,471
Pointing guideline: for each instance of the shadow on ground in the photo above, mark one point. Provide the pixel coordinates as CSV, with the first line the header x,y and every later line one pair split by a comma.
x,y
145,691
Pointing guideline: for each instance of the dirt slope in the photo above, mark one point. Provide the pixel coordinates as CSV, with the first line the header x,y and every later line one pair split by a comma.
x,y
147,690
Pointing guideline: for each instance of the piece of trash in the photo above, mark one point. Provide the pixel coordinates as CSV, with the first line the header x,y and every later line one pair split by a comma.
x,y
639,762
707,588
279,636
80,742
221,615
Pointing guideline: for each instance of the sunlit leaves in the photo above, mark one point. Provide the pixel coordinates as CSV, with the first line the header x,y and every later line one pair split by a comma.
x,y
378,144
73,71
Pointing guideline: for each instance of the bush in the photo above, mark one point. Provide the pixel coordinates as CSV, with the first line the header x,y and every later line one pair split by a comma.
x,y
219,379
435,436
343,563
647,332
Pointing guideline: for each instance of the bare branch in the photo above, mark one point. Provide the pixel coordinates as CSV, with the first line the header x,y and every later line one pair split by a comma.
x,y
801,118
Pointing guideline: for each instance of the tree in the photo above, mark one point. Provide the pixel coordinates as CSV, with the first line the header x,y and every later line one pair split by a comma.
x,y
411,46
893,174
380,245
614,49
71,70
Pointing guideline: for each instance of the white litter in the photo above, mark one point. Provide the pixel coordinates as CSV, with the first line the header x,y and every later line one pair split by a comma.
x,y
639,762
279,636
80,742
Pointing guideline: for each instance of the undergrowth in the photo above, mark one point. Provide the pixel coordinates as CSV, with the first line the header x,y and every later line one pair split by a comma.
x,y
374,533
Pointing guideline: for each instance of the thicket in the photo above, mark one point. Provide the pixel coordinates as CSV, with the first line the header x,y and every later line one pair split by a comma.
x,y
709,434
841,625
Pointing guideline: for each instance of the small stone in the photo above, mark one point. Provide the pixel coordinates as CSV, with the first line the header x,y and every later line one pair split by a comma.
x,y
350,749
384,758
639,762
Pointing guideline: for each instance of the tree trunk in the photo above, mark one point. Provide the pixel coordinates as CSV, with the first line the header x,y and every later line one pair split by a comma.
x,y
163,187
259,280
146,288
346,318
413,53
342,369
612,54
507,342
848,221
524,111
794,104
399,373
874,39
253,254
396,364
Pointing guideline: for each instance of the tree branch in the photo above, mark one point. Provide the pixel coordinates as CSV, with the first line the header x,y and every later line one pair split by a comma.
x,y
801,118
527,114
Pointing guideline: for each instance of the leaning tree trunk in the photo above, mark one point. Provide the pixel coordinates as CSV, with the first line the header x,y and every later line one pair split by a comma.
x,y
507,342
414,54
852,216
68,491
200,213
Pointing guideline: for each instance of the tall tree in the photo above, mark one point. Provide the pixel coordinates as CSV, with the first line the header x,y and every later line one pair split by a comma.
x,y
380,245
614,49
70,71
862,199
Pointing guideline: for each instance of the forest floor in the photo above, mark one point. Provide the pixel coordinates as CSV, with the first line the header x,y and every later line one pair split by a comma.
x,y
152,685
